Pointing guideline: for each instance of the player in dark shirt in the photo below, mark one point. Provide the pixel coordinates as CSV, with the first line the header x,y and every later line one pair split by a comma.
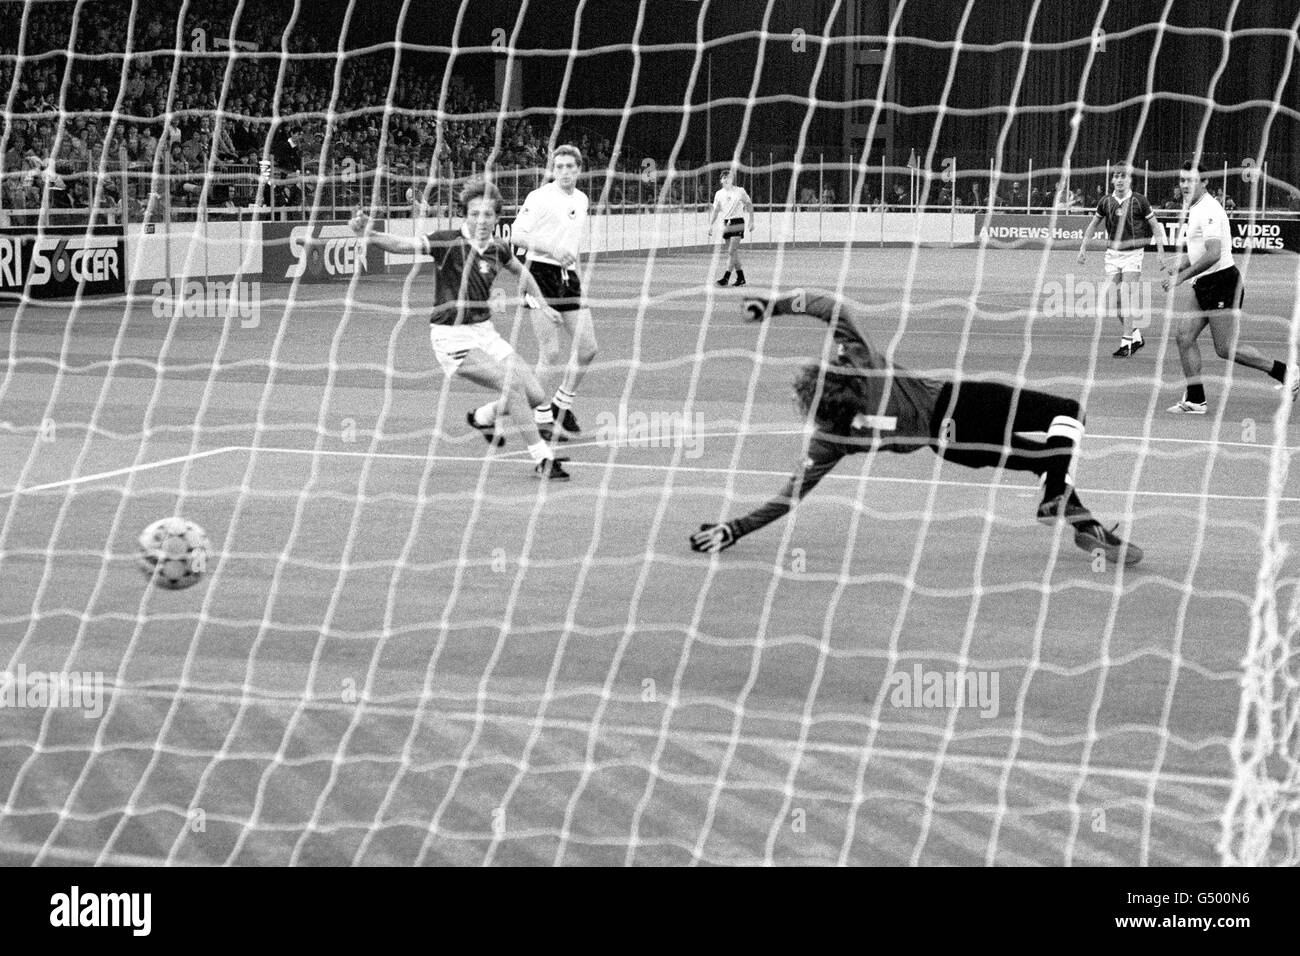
x,y
465,342
861,402
1130,225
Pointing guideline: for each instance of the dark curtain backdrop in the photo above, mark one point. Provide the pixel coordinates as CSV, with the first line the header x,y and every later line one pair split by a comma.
x,y
1154,95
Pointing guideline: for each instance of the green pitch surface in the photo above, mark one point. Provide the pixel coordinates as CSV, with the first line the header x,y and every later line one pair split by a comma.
x,y
407,652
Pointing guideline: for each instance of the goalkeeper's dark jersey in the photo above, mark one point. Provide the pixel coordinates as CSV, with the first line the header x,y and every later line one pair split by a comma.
x,y
898,414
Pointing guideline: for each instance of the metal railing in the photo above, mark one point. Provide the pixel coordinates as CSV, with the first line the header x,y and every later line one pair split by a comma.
x,y
122,190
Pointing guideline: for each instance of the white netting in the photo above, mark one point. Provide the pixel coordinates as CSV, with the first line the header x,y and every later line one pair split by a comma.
x,y
407,651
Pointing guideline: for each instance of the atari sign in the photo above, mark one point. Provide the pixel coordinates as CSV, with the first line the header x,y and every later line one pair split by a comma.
x,y
60,263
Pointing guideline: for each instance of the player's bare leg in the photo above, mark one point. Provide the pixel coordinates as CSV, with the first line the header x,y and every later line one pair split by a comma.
x,y
549,369
1190,328
517,389
733,260
578,325
1225,330
1130,309
582,337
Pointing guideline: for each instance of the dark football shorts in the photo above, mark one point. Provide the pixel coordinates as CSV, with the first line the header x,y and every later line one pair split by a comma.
x,y
976,426
733,227
561,287
1219,290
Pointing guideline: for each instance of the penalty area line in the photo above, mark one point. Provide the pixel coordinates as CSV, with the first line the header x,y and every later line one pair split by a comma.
x,y
116,472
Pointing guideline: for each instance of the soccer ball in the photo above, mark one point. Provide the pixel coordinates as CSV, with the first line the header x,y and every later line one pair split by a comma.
x,y
173,553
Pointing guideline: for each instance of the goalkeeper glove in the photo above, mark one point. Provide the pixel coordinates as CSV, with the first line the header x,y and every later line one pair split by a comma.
x,y
756,308
712,538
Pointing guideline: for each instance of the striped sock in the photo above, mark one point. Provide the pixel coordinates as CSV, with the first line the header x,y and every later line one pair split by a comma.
x,y
1063,438
563,399
539,451
543,415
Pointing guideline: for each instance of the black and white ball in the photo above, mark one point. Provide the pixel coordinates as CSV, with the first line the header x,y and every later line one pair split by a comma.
x,y
173,553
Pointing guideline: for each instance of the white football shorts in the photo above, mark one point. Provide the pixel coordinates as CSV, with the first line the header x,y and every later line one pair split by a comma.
x,y
451,343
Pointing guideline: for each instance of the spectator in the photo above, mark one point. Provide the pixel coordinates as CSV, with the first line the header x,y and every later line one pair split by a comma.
x,y
184,185
131,145
48,185
1175,200
13,158
1224,201
195,147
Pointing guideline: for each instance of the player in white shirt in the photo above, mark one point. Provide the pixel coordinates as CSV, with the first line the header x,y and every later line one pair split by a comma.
x,y
733,204
550,226
1219,293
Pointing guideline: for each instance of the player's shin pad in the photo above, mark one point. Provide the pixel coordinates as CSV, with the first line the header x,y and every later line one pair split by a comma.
x,y
712,538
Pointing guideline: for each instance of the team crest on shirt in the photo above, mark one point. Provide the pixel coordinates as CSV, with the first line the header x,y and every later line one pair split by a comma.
x,y
573,212
484,267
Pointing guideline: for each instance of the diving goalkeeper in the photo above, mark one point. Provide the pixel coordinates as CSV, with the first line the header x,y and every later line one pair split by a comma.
x,y
860,402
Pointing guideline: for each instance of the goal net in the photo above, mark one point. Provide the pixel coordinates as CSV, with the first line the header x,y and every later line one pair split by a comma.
x,y
405,648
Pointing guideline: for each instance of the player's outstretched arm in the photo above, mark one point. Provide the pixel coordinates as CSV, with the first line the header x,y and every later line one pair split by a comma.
x,y
361,225
528,286
712,538
840,313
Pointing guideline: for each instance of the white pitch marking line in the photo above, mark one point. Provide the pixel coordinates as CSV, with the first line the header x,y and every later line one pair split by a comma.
x,y
516,456
506,458
67,482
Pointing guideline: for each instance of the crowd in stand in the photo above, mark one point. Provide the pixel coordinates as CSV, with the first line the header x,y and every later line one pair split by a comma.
x,y
223,108
230,130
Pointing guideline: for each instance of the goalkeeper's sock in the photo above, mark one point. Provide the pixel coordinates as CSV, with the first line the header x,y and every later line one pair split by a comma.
x,y
1195,393
1063,438
1279,371
485,414
544,415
